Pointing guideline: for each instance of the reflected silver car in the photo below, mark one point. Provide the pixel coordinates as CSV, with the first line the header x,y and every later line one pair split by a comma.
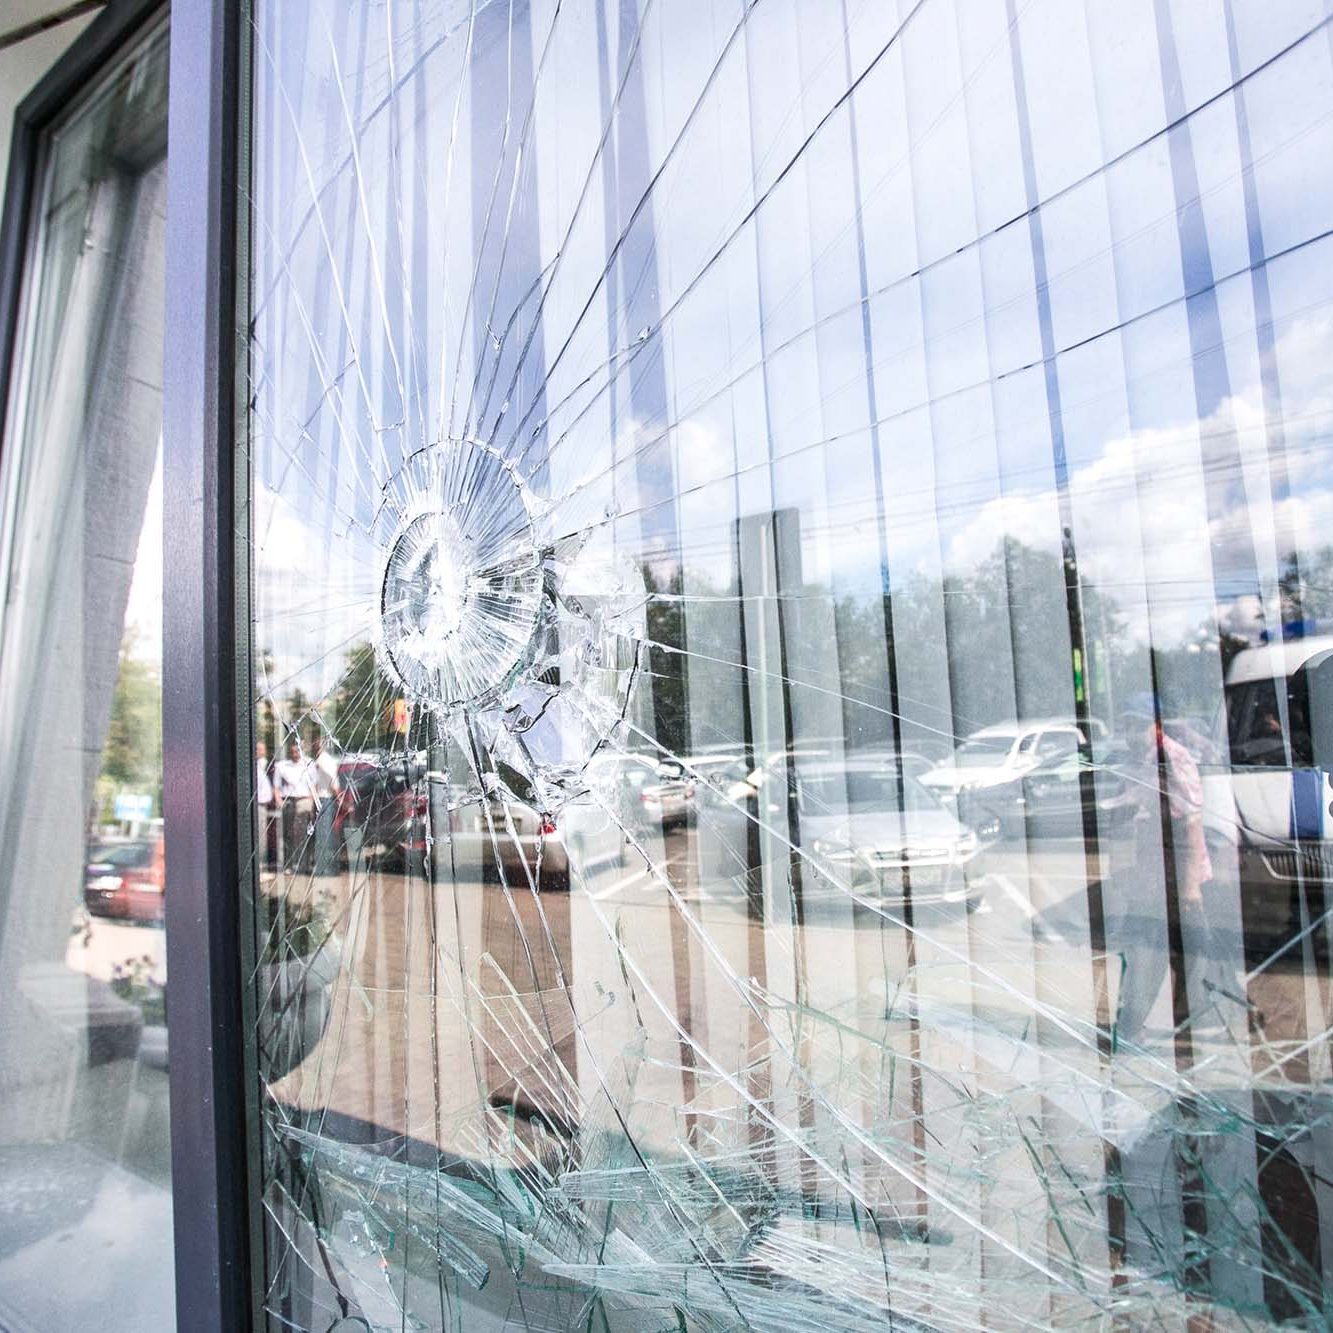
x,y
996,755
875,830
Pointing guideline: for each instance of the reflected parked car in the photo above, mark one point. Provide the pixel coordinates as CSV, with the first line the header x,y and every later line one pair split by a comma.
x,y
716,769
397,808
662,789
1052,800
127,881
997,755
874,829
742,788
497,840
1270,812
382,802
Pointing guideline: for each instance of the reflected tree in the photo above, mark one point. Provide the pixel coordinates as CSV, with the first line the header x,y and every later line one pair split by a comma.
x,y
1305,586
362,706
132,756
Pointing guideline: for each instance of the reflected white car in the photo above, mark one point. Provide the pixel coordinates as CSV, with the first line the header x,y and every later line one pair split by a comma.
x,y
999,754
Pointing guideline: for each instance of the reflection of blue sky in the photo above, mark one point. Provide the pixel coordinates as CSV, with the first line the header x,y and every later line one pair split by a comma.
x,y
814,283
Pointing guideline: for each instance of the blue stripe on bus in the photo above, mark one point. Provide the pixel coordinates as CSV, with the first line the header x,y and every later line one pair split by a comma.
x,y
1307,792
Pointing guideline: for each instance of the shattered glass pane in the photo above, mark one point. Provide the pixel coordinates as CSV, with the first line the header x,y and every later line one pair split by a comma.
x,y
792,663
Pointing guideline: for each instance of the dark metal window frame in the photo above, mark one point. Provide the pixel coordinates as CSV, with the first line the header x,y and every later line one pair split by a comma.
x,y
213,1090
214,1212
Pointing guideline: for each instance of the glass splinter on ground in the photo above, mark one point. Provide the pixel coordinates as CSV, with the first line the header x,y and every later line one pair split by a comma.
x,y
791,659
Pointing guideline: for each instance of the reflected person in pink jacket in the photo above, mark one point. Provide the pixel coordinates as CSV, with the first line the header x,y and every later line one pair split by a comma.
x,y
1176,769
1172,791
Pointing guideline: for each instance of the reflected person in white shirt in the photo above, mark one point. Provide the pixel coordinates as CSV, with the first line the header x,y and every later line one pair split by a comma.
x,y
327,788
294,781
267,803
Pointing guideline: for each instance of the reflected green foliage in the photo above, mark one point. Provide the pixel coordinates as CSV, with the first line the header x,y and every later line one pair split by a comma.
x,y
132,755
361,709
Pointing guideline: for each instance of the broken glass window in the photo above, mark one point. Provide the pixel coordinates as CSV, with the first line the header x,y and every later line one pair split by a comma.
x,y
790,663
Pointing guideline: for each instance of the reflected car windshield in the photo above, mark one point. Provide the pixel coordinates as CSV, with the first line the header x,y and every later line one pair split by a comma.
x,y
862,792
984,750
1254,720
131,854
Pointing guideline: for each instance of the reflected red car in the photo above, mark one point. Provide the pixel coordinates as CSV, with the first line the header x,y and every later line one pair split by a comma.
x,y
127,881
387,802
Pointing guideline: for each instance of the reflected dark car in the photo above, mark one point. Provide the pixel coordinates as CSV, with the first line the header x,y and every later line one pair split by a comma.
x,y
1051,801
126,881
384,803
390,804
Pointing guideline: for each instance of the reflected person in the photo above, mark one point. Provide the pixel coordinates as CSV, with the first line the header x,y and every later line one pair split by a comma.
x,y
1171,856
327,787
267,803
294,780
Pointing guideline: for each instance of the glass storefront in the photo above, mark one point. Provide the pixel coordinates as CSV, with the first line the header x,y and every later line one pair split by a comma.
x,y
790,663
85,1188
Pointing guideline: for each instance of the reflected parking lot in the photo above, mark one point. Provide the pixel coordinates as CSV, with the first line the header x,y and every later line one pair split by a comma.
x,y
728,994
